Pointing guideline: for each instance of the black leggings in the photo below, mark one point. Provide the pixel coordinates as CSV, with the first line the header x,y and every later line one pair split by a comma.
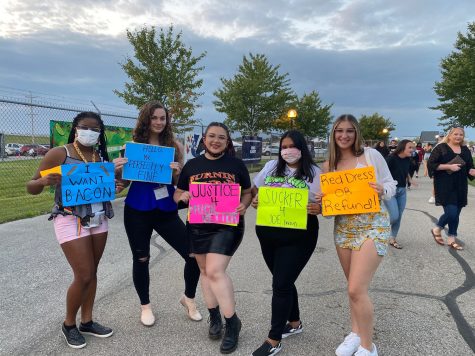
x,y
286,252
139,226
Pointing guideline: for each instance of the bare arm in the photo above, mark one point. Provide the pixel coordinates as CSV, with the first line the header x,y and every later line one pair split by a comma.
x,y
54,157
246,197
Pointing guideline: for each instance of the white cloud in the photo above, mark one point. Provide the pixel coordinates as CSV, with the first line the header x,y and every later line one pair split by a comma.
x,y
330,25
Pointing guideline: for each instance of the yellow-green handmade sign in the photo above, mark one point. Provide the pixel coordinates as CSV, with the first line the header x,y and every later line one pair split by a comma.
x,y
282,207
348,192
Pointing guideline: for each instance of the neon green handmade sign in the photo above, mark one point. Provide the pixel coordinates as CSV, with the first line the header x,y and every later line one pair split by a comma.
x,y
282,207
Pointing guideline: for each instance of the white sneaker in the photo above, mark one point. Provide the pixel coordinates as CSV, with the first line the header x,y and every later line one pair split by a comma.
x,y
349,346
146,316
431,200
363,352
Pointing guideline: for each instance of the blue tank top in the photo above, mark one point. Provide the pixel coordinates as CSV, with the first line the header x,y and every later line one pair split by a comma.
x,y
141,196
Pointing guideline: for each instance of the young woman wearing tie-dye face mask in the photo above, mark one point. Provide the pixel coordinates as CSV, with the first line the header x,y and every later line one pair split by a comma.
x,y
287,251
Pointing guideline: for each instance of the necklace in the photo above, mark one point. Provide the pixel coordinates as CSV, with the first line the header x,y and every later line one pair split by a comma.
x,y
76,147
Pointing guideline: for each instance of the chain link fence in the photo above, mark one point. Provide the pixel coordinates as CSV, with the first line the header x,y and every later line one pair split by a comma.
x,y
24,140
25,137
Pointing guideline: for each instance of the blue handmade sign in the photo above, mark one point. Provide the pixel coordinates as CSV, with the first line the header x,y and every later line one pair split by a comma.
x,y
148,163
87,183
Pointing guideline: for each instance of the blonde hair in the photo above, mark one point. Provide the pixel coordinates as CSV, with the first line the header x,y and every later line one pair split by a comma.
x,y
334,154
451,131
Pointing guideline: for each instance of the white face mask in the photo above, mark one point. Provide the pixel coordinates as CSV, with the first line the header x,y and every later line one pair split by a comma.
x,y
87,138
291,155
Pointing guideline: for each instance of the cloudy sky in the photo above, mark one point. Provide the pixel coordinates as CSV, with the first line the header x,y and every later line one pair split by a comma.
x,y
364,56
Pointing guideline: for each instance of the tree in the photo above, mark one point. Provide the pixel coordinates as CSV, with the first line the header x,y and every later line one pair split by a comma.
x,y
255,97
456,90
374,127
312,118
164,70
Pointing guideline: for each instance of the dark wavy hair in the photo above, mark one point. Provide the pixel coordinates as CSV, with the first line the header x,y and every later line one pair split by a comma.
x,y
142,128
305,169
102,148
229,150
401,146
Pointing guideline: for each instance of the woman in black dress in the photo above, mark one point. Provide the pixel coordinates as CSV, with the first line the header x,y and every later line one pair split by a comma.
x,y
450,163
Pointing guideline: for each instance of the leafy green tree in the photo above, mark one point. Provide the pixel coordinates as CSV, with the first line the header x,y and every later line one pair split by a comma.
x,y
162,69
312,118
374,127
456,90
255,97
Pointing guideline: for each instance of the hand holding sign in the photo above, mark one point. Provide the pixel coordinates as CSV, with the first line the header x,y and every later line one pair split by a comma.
x,y
352,191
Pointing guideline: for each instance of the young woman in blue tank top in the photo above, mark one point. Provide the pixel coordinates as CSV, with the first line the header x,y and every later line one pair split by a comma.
x,y
81,230
149,207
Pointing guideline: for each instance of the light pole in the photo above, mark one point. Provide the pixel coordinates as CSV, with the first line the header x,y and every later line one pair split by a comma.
x,y
292,114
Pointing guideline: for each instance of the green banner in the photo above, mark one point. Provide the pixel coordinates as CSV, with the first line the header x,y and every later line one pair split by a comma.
x,y
116,136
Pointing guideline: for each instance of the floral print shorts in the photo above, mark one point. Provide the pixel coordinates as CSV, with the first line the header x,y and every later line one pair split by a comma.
x,y
351,231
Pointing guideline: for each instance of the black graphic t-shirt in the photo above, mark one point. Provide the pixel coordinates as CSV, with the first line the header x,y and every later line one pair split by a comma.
x,y
226,169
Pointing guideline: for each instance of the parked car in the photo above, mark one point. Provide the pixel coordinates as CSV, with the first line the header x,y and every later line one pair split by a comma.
x,y
12,149
271,150
33,150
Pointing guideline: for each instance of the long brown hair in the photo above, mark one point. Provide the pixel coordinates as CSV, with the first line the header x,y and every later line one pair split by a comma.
x,y
334,155
142,128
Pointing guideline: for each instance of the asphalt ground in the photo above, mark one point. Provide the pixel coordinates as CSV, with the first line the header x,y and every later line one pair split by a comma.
x,y
424,295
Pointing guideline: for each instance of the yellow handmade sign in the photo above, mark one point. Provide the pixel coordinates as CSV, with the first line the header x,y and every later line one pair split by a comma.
x,y
282,207
348,192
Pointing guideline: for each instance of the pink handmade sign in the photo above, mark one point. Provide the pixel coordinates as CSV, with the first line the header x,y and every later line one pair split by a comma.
x,y
212,203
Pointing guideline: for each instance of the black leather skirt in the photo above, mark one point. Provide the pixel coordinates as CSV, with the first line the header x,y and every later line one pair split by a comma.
x,y
215,238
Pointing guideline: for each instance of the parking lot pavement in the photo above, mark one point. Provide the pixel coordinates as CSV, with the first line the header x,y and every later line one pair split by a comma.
x,y
423,295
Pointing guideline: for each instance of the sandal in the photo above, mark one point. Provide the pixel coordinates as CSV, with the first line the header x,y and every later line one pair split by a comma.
x,y
455,246
437,237
394,243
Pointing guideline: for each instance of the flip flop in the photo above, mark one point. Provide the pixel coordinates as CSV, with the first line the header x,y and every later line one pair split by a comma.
x,y
437,238
455,246
394,244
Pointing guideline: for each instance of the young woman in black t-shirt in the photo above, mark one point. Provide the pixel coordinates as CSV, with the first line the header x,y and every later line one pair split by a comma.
x,y
214,244
399,165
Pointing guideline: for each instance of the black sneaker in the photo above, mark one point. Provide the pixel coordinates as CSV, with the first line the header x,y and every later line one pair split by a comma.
x,y
215,324
73,337
289,330
95,329
267,349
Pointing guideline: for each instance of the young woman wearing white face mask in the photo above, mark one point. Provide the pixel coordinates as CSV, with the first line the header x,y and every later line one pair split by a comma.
x,y
80,230
287,251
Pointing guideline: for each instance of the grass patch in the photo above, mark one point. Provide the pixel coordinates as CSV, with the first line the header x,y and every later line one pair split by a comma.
x,y
26,140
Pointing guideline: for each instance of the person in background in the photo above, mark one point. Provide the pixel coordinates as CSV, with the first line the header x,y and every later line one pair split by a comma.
x,y
414,159
81,230
361,239
398,164
287,251
420,157
427,151
392,146
450,164
382,148
214,244
150,207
